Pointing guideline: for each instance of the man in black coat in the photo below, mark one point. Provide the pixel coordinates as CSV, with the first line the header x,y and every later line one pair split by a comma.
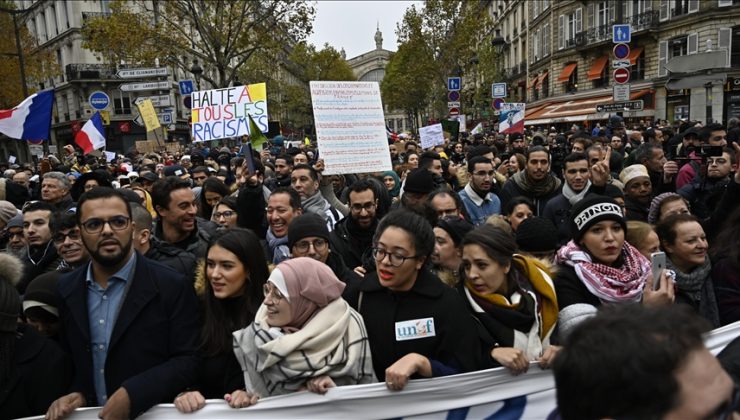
x,y
352,237
129,323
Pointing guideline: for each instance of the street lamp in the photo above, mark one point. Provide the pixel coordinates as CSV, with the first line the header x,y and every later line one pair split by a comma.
x,y
197,70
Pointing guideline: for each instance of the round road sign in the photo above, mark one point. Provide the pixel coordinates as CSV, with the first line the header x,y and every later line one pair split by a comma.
x,y
453,95
99,100
621,51
496,104
621,76
454,111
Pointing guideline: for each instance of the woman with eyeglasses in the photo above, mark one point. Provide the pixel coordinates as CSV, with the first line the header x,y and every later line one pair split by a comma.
x,y
224,215
235,271
304,336
418,327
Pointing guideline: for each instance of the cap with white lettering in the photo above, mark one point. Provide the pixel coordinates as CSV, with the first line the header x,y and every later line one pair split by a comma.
x,y
591,210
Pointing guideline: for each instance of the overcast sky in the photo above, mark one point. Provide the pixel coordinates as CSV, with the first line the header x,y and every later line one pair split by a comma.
x,y
351,24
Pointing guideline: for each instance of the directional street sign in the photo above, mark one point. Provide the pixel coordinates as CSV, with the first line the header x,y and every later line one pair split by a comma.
x,y
157,100
621,92
621,64
621,76
620,106
99,100
451,105
139,73
621,34
186,87
135,87
139,120
498,90
454,83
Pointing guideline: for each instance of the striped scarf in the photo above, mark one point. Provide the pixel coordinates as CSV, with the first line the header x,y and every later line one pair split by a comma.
x,y
609,284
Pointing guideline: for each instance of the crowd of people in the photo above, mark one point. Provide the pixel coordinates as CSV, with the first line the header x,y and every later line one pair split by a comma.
x,y
182,277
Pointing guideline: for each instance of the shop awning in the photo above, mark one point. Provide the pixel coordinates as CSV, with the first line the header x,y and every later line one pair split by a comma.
x,y
567,71
533,82
542,77
634,55
597,68
575,110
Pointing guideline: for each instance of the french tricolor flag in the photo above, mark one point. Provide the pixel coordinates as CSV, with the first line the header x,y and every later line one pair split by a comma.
x,y
92,135
31,119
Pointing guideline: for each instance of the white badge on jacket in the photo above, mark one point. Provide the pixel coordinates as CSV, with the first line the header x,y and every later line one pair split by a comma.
x,y
415,328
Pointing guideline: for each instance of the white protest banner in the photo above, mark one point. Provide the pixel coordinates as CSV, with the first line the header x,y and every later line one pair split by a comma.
x,y
431,136
109,156
511,119
350,127
222,113
492,393
11,159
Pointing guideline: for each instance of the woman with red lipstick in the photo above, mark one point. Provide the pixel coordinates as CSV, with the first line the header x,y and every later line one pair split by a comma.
x,y
598,266
685,244
235,272
512,296
417,326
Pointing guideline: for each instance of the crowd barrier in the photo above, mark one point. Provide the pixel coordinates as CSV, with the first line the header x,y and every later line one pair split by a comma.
x,y
491,394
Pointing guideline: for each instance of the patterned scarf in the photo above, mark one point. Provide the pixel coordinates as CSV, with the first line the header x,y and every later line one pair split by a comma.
x,y
278,247
609,284
698,286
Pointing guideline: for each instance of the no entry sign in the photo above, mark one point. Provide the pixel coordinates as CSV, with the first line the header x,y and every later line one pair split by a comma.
x,y
621,76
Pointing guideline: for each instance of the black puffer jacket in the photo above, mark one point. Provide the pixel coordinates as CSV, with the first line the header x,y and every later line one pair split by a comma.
x,y
173,257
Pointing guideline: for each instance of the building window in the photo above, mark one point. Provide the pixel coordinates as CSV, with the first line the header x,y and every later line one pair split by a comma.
x,y
391,124
545,87
678,47
122,104
602,13
637,71
603,80
546,40
735,47
572,85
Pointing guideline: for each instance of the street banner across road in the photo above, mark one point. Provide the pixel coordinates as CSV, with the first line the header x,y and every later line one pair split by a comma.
x,y
350,127
511,119
222,113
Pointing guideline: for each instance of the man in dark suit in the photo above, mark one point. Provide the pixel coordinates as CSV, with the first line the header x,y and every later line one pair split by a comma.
x,y
129,323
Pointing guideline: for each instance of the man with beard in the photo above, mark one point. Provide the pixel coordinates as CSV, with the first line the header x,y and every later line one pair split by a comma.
x,y
479,201
68,242
352,237
41,255
128,323
535,182
517,143
638,191
662,172
283,168
176,206
396,159
16,239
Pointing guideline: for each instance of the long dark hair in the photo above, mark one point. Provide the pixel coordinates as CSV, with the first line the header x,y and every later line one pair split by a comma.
x,y
211,184
498,244
217,323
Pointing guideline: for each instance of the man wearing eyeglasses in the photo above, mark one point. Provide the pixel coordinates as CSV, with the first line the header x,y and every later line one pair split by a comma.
x,y
128,323
308,236
68,242
479,201
352,236
707,189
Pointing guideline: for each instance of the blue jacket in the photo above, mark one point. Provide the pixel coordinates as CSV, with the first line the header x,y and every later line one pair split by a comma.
x,y
152,351
479,209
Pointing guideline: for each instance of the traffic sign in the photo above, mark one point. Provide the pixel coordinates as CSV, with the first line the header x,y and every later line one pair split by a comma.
x,y
134,87
620,106
157,100
621,92
453,104
621,34
621,76
496,104
453,95
187,101
165,118
186,87
105,117
139,120
621,51
498,90
621,64
139,73
454,83
454,111
99,100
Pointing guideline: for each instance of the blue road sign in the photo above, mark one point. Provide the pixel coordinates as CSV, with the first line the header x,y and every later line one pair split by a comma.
x,y
453,83
621,34
621,51
186,87
99,100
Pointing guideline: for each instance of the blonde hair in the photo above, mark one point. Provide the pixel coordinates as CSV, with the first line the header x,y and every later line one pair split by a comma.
x,y
637,232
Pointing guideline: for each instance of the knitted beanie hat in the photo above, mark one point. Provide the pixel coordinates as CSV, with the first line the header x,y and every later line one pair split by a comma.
x,y
419,181
41,294
591,210
456,227
537,235
307,225
7,211
654,213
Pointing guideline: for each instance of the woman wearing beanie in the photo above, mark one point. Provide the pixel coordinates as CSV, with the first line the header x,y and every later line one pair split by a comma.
x,y
303,336
685,244
235,271
598,266
512,296
447,254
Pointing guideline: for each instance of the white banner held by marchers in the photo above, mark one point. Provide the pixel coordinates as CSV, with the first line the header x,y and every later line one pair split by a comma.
x,y
431,135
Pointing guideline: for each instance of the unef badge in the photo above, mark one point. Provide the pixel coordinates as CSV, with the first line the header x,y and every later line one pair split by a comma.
x,y
414,329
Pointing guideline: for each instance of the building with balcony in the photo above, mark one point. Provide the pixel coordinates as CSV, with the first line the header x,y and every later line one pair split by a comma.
x,y
568,62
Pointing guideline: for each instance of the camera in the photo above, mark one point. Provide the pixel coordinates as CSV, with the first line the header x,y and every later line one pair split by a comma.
x,y
702,151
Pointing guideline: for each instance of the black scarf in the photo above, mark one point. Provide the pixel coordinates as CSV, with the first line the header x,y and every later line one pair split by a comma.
x,y
363,236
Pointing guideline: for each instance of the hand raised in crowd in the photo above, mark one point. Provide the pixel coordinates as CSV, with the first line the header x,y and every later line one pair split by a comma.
x,y
65,405
319,166
320,384
665,295
117,407
398,374
600,170
503,168
511,358
548,356
189,401
241,398
265,155
360,271
670,169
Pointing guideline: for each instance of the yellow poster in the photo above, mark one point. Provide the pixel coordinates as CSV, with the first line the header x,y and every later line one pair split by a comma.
x,y
105,116
146,109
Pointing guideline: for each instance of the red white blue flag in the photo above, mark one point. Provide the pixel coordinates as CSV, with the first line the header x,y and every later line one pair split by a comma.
x,y
31,120
92,135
